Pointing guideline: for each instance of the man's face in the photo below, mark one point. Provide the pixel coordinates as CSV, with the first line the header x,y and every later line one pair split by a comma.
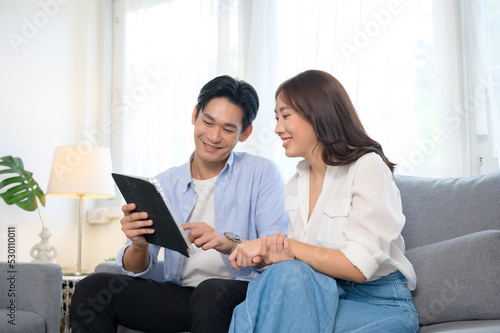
x,y
217,130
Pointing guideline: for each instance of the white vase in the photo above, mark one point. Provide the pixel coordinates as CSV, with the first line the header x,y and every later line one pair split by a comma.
x,y
43,251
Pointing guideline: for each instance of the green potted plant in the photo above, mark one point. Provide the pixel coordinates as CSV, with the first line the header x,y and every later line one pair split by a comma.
x,y
19,188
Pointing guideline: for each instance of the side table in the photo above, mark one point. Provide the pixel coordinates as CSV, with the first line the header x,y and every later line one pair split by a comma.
x,y
68,287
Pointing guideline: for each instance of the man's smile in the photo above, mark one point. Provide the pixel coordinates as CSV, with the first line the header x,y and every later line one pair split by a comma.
x,y
210,147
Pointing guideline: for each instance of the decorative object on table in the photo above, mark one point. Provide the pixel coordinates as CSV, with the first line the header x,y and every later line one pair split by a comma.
x,y
81,172
43,251
23,191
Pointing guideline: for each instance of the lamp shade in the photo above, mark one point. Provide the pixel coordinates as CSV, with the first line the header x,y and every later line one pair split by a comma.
x,y
81,171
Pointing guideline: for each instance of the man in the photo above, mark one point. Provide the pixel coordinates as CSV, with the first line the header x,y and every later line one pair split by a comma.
x,y
222,198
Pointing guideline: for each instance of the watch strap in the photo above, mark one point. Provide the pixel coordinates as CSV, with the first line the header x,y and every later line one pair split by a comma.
x,y
236,241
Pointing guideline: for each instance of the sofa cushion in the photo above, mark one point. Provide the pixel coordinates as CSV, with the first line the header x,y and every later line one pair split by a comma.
x,y
458,279
473,326
438,209
24,322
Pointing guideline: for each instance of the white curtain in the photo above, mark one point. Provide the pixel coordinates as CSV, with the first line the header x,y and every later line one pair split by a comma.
x,y
169,50
410,68
481,22
378,50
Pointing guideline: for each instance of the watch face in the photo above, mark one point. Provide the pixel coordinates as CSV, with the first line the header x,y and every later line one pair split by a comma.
x,y
232,236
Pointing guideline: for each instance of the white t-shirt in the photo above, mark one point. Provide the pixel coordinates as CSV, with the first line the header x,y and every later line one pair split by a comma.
x,y
358,212
202,264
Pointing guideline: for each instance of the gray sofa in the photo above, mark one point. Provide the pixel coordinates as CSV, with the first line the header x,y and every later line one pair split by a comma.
x,y
452,236
37,299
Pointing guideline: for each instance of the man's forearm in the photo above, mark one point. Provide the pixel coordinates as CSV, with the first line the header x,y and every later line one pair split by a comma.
x,y
135,259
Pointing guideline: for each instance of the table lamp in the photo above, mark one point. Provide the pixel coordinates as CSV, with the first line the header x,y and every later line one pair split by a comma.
x,y
81,172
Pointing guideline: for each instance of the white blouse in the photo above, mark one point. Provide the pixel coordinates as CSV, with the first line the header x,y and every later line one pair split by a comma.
x,y
359,212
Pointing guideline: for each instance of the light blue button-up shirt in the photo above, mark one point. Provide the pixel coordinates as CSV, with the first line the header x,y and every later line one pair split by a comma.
x,y
248,200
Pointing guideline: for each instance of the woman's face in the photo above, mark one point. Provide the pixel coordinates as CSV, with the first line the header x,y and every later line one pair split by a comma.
x,y
297,133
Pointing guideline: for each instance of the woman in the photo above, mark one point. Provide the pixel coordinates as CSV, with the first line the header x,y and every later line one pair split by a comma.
x,y
342,267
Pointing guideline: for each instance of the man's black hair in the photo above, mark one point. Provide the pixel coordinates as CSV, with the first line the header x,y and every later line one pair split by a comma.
x,y
237,92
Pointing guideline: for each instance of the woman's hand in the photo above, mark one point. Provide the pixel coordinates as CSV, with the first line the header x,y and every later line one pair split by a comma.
x,y
275,249
261,252
244,254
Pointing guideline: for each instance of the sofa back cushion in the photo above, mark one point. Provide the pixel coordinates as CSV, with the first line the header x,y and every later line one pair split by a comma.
x,y
445,208
457,279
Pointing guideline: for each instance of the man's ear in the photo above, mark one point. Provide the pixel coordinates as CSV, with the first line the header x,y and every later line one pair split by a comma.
x,y
193,117
246,134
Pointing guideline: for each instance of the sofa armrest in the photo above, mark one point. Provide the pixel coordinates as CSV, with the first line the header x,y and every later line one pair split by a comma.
x,y
157,273
37,288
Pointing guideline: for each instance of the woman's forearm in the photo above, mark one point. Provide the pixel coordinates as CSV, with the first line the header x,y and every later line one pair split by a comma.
x,y
327,261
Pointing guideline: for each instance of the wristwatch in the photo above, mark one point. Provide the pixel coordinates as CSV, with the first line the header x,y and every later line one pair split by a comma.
x,y
235,238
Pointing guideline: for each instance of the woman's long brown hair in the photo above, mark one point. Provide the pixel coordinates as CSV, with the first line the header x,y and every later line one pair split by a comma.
x,y
321,98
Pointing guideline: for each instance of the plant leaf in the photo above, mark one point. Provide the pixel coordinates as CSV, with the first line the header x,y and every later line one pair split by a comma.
x,y
24,200
9,181
40,195
27,191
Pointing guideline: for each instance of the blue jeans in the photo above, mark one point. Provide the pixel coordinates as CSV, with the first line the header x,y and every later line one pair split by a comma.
x,y
292,297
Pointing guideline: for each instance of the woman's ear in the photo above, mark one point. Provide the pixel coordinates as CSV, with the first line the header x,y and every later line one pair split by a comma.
x,y
246,134
193,117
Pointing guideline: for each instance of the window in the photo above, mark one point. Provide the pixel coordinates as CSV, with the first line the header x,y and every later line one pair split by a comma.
x,y
411,69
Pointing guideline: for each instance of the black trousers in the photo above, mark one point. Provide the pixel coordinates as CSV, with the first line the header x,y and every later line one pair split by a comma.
x,y
102,301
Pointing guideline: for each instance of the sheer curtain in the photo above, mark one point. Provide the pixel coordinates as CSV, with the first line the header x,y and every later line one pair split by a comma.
x,y
378,50
481,21
169,49
422,74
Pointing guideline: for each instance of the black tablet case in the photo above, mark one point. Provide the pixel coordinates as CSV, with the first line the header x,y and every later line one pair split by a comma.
x,y
147,199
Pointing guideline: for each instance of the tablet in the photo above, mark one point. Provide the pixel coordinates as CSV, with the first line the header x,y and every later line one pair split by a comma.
x,y
149,197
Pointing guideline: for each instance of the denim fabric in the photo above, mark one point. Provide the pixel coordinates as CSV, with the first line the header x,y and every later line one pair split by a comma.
x,y
292,297
289,297
383,305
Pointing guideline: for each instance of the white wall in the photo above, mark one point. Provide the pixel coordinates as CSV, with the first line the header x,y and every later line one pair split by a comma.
x,y
51,63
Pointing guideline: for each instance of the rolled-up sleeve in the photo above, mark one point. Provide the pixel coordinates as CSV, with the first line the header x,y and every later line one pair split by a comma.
x,y
375,217
153,259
